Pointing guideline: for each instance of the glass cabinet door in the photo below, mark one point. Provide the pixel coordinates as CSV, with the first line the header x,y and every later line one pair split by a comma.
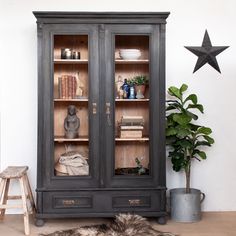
x,y
74,106
131,119
130,76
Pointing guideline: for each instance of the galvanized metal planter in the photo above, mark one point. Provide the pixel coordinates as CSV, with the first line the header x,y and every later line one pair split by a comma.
x,y
186,207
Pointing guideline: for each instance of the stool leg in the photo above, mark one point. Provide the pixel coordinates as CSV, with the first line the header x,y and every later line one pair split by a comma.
x,y
4,187
30,193
24,201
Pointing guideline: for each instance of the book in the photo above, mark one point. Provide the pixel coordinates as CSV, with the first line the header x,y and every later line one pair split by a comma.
x,y
67,86
131,134
131,127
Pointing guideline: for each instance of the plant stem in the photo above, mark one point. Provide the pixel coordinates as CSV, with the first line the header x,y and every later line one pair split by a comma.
x,y
187,175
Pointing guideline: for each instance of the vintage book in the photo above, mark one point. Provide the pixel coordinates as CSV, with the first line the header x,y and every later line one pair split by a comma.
x,y
131,133
63,87
131,127
132,120
59,88
70,89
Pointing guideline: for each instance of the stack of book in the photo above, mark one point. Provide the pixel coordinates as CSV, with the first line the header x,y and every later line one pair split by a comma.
x,y
67,86
131,127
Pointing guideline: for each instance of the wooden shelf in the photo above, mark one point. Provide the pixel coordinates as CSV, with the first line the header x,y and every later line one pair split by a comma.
x,y
141,61
70,61
71,100
132,100
62,139
143,139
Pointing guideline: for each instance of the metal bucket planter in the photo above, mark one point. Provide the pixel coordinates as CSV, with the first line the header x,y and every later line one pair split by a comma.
x,y
186,207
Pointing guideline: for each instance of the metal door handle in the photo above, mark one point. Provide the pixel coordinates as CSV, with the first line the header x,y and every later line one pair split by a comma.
x,y
108,113
94,108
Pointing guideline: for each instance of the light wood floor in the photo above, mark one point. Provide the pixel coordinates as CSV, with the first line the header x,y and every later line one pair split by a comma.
x,y
212,224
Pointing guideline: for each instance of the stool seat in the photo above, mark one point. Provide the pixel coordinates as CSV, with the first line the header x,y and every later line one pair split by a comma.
x,y
13,172
17,173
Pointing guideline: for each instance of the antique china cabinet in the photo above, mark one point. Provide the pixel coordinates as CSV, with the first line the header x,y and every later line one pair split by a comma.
x,y
101,171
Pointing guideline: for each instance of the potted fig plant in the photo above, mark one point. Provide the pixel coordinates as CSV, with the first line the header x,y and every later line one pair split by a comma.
x,y
186,141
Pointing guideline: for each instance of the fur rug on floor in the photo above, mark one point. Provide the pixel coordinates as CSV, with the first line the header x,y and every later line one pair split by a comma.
x,y
123,225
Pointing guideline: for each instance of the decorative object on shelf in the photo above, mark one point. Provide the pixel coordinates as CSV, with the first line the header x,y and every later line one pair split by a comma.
x,y
66,53
125,87
131,92
76,55
207,53
139,94
67,86
141,169
140,82
130,54
119,90
185,139
71,123
72,163
131,127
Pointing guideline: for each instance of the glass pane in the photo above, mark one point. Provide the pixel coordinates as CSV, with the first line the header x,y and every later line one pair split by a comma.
x,y
131,105
71,113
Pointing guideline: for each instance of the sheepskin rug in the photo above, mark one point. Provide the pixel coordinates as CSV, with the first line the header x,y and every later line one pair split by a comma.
x,y
123,225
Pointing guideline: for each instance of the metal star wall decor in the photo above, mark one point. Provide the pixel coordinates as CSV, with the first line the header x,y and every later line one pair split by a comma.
x,y
207,53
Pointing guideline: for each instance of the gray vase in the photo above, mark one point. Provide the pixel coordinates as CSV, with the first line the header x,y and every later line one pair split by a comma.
x,y
186,207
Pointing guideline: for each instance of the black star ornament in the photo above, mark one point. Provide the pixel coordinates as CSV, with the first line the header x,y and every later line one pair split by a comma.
x,y
206,53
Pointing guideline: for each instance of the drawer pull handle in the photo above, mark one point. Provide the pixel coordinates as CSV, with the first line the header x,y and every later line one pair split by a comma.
x,y
69,202
134,202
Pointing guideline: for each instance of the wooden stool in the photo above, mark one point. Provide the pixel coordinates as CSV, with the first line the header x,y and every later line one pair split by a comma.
x,y
19,173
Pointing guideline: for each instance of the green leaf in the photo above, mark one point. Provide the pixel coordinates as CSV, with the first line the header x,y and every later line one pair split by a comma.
x,y
171,131
209,139
191,97
202,155
177,160
202,143
196,106
183,88
184,143
195,117
194,127
182,132
182,119
204,130
173,105
173,91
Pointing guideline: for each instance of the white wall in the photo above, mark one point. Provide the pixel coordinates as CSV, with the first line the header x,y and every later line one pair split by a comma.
x,y
186,25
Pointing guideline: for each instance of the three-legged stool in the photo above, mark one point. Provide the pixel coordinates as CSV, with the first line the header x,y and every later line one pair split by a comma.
x,y
19,173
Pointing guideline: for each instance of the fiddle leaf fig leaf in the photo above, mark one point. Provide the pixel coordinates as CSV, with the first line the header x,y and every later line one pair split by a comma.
x,y
182,119
173,91
209,139
204,130
191,97
183,88
196,106
171,131
202,143
184,143
182,132
195,117
202,155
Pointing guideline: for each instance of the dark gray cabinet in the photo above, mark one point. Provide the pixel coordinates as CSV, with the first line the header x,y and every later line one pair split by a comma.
x,y
117,161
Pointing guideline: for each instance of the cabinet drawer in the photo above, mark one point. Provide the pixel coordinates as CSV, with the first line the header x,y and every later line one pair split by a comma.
x,y
63,202
131,201
60,202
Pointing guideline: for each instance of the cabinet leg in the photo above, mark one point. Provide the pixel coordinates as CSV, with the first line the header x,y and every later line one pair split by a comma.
x,y
161,220
39,222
